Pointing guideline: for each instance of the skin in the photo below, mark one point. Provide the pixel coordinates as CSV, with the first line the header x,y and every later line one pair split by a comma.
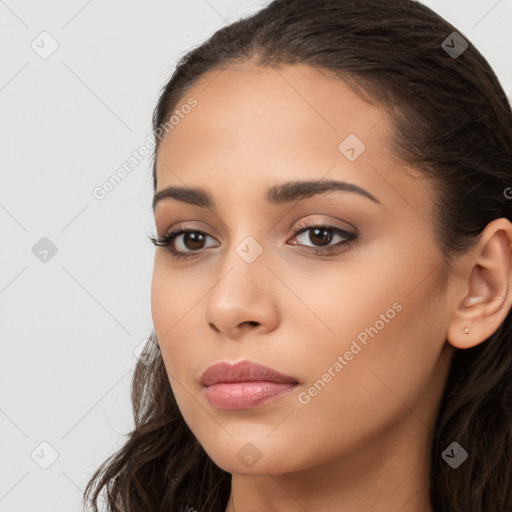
x,y
362,442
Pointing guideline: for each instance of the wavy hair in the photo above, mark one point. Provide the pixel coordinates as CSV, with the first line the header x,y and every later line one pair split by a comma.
x,y
453,122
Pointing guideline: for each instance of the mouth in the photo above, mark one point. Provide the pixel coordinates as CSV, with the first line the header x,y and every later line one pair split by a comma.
x,y
243,371
244,384
244,395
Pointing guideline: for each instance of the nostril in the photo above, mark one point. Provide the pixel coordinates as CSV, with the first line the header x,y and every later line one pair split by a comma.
x,y
213,326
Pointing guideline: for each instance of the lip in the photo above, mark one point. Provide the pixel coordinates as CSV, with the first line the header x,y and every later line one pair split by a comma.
x,y
244,385
243,371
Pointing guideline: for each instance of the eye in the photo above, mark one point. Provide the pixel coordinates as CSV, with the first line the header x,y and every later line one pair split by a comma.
x,y
323,235
192,241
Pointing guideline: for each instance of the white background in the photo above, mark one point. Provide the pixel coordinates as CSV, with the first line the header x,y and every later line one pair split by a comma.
x,y
69,326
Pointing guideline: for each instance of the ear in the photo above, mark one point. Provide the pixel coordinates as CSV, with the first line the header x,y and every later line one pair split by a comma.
x,y
486,298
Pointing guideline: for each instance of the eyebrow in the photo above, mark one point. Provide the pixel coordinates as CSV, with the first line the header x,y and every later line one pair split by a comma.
x,y
277,194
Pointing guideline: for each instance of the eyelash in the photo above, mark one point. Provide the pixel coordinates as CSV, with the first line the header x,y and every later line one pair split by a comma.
x,y
168,238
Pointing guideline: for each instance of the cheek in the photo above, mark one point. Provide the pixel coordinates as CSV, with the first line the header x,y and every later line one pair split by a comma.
x,y
381,325
377,388
171,297
177,308
384,304
172,308
357,301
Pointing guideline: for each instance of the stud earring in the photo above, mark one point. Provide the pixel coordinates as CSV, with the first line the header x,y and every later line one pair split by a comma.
x,y
466,330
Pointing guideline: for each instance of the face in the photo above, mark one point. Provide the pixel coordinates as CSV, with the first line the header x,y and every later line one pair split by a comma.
x,y
342,290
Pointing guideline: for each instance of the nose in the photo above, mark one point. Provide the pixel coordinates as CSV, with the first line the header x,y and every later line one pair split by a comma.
x,y
243,300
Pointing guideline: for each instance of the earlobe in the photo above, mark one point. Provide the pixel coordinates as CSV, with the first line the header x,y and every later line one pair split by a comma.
x,y
488,288
465,329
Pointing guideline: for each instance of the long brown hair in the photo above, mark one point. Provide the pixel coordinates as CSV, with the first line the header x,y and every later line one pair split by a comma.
x,y
453,122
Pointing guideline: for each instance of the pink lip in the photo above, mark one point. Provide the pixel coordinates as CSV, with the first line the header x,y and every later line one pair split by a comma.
x,y
244,384
243,371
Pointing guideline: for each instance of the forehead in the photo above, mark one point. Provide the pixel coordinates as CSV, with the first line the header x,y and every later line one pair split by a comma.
x,y
261,125
271,108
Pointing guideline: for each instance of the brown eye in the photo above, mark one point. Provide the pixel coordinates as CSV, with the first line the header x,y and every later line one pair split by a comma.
x,y
193,240
188,241
320,237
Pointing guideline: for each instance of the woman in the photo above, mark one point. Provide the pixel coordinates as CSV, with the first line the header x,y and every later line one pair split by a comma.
x,y
332,281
